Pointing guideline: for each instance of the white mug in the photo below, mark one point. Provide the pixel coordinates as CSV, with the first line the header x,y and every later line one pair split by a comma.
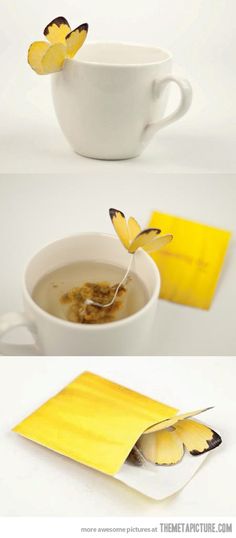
x,y
111,100
54,336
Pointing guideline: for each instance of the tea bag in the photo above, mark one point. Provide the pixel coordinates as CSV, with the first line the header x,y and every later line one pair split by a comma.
x,y
98,302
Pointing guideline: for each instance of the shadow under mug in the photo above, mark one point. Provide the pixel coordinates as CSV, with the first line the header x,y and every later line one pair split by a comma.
x,y
54,336
111,100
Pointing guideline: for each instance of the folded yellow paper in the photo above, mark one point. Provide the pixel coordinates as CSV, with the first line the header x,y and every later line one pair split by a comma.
x,y
190,265
94,421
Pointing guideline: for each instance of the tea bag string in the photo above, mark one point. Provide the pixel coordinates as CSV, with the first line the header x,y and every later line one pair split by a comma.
x,y
93,303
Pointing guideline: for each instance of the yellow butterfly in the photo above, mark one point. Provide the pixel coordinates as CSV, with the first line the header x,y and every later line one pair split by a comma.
x,y
45,58
165,442
133,237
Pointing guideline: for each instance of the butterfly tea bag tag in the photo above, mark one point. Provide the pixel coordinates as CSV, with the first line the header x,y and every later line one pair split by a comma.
x,y
190,266
132,238
46,57
99,423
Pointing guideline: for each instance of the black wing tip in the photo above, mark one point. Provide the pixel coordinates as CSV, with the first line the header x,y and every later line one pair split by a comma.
x,y
82,27
113,212
214,442
58,21
149,230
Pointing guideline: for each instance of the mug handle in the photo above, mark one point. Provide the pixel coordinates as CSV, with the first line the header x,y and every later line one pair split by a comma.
x,y
9,322
185,102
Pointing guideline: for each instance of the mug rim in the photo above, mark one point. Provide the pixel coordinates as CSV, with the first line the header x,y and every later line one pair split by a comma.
x,y
169,55
92,326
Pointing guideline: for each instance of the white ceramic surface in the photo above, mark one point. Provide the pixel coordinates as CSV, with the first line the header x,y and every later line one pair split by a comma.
x,y
54,336
111,100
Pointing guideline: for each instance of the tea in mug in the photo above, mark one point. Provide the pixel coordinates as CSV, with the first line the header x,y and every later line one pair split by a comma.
x,y
63,293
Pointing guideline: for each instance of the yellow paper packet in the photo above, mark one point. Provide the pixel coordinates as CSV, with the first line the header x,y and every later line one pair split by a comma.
x,y
94,421
190,265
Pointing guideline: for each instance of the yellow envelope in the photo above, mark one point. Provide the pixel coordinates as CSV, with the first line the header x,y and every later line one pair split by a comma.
x,y
190,265
94,421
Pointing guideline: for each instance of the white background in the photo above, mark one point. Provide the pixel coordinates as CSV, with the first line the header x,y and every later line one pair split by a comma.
x,y
35,481
200,34
35,210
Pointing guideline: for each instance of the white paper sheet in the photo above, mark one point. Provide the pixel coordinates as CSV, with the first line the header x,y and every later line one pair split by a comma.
x,y
160,482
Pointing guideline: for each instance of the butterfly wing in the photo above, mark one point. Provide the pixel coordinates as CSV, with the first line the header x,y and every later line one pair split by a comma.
x,y
158,242
54,58
36,53
119,222
143,238
57,30
172,421
196,437
134,228
75,39
162,448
